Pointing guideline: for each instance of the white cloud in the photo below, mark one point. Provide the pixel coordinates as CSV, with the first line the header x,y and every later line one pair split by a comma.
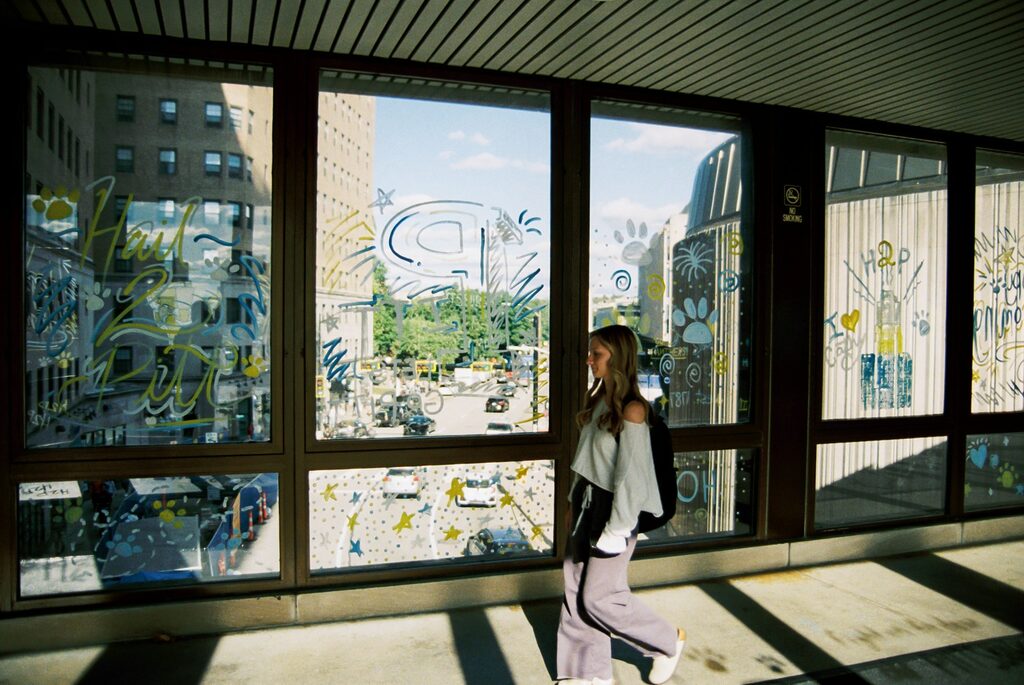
x,y
480,139
403,201
616,212
445,154
655,139
457,135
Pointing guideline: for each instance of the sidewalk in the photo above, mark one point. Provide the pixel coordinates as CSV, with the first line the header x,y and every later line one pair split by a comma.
x,y
946,617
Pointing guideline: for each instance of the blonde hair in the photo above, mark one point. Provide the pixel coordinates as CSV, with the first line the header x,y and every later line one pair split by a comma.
x,y
620,385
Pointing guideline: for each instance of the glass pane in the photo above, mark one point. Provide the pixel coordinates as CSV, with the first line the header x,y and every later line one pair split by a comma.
x,y
82,536
128,279
433,258
671,258
430,514
998,284
885,276
715,498
861,482
995,471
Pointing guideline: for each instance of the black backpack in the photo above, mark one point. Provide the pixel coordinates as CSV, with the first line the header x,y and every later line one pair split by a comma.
x,y
664,472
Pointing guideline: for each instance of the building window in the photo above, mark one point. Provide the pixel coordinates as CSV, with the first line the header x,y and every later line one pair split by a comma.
x,y
234,165
998,351
248,169
168,111
166,209
214,112
60,139
167,164
249,217
126,108
212,163
885,268
120,203
235,212
78,155
236,117
124,161
252,118
123,361
211,212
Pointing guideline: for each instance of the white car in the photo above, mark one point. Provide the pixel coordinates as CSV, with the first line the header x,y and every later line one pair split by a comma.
x,y
478,491
498,428
402,482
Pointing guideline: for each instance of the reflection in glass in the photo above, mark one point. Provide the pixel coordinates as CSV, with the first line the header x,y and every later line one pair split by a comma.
x,y
715,496
861,482
994,471
432,272
81,536
424,514
998,368
885,272
671,258
131,273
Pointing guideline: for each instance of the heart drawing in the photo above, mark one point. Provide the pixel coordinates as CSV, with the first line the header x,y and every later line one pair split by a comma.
x,y
850,320
978,455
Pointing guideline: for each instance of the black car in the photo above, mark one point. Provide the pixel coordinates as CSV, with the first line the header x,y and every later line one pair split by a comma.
x,y
489,541
496,403
418,424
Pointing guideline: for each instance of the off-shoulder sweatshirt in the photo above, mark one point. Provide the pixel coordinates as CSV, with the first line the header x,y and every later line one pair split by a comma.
x,y
626,469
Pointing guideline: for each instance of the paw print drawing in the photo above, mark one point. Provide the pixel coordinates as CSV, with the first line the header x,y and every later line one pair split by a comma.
x,y
168,514
122,546
920,322
94,301
55,204
253,366
698,331
634,252
221,270
1007,476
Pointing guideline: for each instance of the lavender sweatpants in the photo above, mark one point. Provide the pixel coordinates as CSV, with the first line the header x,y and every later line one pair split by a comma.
x,y
597,605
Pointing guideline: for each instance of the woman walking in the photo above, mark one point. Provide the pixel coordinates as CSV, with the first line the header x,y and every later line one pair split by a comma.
x,y
613,482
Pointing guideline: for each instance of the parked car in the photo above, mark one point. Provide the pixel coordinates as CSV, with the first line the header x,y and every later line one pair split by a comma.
x,y
419,424
498,428
501,542
402,482
507,391
496,403
478,491
352,428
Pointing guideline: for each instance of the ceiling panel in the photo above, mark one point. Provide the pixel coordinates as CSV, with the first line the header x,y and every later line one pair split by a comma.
x,y
945,64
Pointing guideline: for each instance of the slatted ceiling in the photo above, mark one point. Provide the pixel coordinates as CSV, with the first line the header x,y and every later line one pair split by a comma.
x,y
518,21
376,24
486,32
402,18
475,14
645,31
941,64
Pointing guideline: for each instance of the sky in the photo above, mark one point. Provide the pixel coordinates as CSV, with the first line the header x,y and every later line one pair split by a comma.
x,y
430,151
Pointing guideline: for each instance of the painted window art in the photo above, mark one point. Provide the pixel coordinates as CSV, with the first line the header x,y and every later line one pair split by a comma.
x,y
885,262
998,352
670,256
432,260
129,276
430,514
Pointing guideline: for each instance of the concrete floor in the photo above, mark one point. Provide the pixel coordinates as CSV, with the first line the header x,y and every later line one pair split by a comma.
x,y
952,616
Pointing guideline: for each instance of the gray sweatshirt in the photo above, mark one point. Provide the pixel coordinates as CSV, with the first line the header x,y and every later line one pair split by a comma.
x,y
626,469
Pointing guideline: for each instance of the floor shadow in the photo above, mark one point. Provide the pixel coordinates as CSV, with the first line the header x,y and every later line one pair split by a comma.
x,y
476,645
801,652
181,662
978,591
996,660
543,617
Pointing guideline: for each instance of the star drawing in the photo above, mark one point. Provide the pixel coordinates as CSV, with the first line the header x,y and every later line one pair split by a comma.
x,y
404,523
328,492
355,548
452,533
455,490
383,199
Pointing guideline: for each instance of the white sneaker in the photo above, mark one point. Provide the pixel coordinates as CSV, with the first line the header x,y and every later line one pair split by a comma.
x,y
664,666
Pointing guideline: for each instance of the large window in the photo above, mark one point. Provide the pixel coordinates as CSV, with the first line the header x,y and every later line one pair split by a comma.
x,y
670,257
885,275
432,272
124,291
998,353
106,533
